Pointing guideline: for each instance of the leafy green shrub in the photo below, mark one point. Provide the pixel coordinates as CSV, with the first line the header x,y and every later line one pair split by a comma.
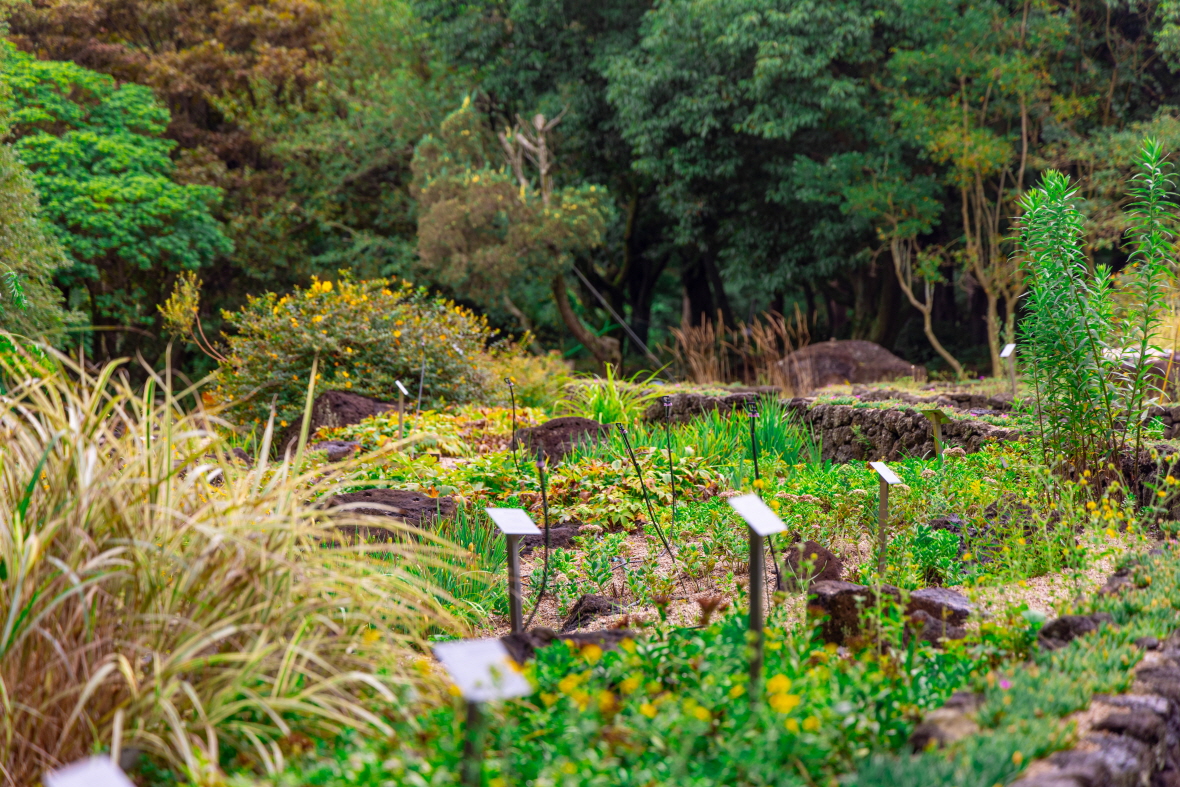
x,y
935,554
367,334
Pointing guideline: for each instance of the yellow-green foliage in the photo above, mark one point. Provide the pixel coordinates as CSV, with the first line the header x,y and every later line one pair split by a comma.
x,y
367,334
157,596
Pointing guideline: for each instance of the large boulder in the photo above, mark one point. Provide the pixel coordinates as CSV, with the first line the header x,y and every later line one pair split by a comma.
x,y
841,362
413,508
556,438
336,408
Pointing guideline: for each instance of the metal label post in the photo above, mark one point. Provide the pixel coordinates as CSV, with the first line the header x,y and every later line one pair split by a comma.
x,y
888,479
514,523
483,671
762,522
937,418
1009,352
402,393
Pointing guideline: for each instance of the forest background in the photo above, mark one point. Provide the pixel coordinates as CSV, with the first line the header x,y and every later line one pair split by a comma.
x,y
549,163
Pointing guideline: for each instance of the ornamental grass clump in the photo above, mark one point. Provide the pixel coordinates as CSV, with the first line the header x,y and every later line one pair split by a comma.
x,y
366,335
156,595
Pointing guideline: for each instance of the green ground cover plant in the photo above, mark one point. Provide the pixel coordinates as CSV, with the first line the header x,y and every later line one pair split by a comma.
x,y
674,708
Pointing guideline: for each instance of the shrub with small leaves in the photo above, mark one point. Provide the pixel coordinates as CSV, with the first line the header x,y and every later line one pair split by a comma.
x,y
367,334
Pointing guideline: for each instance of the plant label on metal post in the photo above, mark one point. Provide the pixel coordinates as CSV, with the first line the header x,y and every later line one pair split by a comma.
x,y
483,671
762,522
92,772
1009,352
936,418
402,393
514,523
888,479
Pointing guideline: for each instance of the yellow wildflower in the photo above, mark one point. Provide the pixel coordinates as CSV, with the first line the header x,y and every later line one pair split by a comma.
x,y
811,724
648,710
779,683
784,703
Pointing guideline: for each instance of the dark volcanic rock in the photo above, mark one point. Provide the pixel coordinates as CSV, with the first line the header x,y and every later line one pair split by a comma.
x,y
415,508
813,564
928,628
1061,631
941,604
840,362
954,721
522,647
338,450
686,406
335,408
847,433
843,603
554,439
586,609
559,538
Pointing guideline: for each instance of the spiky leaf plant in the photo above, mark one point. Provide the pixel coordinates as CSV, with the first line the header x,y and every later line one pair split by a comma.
x,y
155,594
1087,362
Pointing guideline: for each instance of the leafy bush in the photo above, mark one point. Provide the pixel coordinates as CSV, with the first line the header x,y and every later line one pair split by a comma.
x,y
156,589
367,334
539,380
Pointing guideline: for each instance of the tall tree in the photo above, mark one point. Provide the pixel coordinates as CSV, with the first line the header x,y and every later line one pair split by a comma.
x,y
105,179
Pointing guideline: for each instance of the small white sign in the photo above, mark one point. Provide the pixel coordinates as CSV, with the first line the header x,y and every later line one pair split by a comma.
x,y
92,772
482,669
759,516
936,415
402,388
887,475
1008,350
513,521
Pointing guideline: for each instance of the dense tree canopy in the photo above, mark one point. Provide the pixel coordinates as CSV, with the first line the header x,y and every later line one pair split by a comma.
x,y
860,159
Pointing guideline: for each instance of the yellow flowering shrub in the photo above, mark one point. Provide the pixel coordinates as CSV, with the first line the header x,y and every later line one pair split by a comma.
x,y
367,335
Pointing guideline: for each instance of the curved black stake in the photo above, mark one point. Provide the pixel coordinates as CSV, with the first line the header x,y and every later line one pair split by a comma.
x,y
545,519
512,397
752,411
643,486
667,402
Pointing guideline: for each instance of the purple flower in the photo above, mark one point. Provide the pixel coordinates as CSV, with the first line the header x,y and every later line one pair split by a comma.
x,y
1005,684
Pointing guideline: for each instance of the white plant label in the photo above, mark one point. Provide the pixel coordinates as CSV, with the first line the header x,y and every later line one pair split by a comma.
x,y
92,772
513,521
402,388
759,516
482,669
887,475
1008,350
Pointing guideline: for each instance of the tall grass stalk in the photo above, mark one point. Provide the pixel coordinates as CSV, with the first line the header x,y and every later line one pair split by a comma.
x,y
156,595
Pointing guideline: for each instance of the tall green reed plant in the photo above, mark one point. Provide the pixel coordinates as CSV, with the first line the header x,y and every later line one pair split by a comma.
x,y
1091,389
610,399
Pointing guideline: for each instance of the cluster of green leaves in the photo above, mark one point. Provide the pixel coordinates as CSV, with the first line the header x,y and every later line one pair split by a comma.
x,y
106,181
674,708
366,336
1087,362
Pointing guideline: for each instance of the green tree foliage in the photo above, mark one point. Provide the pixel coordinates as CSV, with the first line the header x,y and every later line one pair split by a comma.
x,y
29,258
366,335
486,228
105,179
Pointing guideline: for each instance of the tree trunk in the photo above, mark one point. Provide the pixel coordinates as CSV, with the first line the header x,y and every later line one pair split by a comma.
x,y
605,349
